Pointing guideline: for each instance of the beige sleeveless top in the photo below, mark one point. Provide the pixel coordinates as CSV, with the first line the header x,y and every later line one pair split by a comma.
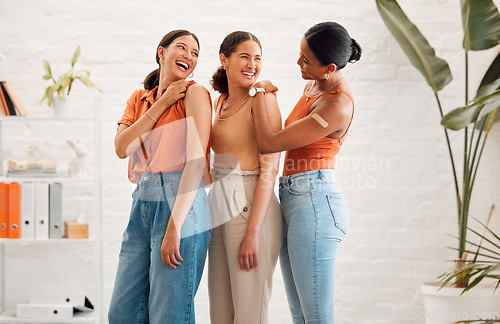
x,y
233,138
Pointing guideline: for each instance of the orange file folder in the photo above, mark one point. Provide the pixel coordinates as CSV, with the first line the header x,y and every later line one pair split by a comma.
x,y
4,210
14,211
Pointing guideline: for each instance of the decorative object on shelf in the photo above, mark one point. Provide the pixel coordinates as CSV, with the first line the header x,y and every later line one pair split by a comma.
x,y
64,82
76,166
75,230
481,26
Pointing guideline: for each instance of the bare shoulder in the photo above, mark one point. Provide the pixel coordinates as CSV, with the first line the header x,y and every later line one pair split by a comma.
x,y
197,99
195,89
337,104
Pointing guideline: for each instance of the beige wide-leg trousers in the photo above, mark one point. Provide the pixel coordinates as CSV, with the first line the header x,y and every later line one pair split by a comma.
x,y
239,296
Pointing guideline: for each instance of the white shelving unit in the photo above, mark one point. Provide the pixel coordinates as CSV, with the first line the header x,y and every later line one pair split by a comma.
x,y
94,242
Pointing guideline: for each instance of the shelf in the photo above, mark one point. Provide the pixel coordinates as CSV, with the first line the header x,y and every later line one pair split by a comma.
x,y
88,123
79,318
47,179
48,241
43,118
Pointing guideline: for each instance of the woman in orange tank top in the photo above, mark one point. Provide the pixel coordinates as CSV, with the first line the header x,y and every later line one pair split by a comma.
x,y
165,132
314,209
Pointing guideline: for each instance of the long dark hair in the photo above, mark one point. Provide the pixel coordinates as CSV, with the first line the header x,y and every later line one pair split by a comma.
x,y
228,47
331,43
152,80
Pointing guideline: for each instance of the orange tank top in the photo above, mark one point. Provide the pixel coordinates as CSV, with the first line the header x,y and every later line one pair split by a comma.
x,y
315,156
164,148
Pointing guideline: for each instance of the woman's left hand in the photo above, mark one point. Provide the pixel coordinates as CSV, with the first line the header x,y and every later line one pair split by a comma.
x,y
170,254
248,256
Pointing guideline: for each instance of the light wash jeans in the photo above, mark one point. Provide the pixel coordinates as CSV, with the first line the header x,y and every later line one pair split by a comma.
x,y
315,220
146,290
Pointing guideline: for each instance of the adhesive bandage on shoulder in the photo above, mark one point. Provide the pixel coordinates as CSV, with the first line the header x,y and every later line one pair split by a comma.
x,y
320,120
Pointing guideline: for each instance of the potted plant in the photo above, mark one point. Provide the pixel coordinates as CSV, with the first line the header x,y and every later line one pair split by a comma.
x,y
56,94
481,26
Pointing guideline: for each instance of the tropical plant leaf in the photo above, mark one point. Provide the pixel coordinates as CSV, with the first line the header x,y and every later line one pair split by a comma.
x,y
75,56
463,116
491,104
493,72
488,88
489,77
481,24
416,47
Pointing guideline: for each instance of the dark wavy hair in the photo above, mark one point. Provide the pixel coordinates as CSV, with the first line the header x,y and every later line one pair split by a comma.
x,y
331,43
228,47
152,80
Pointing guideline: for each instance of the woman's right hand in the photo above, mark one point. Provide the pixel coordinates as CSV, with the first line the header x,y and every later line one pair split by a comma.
x,y
267,85
175,91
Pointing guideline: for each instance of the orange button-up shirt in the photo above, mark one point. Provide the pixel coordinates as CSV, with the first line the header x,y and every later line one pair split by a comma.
x,y
164,149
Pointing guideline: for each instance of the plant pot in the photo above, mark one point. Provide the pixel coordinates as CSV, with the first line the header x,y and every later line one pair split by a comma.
x,y
62,108
446,305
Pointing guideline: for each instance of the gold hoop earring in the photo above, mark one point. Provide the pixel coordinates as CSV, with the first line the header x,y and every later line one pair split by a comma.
x,y
191,75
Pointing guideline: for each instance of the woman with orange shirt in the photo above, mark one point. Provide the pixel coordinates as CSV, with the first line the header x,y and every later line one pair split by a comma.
x,y
165,132
247,220
314,209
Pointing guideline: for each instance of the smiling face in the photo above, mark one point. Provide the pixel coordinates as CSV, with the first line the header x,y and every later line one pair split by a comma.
x,y
179,59
310,67
243,66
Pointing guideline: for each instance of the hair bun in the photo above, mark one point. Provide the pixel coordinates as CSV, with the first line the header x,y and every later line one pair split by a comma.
x,y
219,81
356,51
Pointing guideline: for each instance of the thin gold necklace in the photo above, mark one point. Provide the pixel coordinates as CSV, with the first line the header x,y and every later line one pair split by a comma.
x,y
309,96
222,107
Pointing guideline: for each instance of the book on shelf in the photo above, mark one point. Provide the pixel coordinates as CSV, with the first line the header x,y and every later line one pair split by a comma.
x,y
32,165
31,173
18,105
3,104
8,101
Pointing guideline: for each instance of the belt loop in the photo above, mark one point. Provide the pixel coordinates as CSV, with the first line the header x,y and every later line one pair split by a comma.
x,y
320,173
164,194
289,180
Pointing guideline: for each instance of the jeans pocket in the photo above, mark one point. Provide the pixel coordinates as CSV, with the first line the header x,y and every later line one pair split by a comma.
x,y
338,207
300,188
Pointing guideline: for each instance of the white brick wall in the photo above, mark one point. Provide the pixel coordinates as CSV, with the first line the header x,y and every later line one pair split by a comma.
x,y
394,165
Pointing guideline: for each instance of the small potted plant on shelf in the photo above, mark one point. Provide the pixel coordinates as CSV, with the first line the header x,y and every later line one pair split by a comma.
x,y
481,26
56,94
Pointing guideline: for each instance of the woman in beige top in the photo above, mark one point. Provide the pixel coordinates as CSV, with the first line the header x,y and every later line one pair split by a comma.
x,y
247,217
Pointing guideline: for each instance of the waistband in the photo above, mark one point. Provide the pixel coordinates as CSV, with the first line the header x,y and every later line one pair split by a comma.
x,y
159,177
309,175
220,172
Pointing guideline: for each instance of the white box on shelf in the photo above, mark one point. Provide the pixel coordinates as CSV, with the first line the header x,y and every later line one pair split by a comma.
x,y
44,311
77,300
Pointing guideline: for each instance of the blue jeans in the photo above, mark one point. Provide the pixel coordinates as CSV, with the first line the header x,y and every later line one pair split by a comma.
x,y
315,220
146,290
